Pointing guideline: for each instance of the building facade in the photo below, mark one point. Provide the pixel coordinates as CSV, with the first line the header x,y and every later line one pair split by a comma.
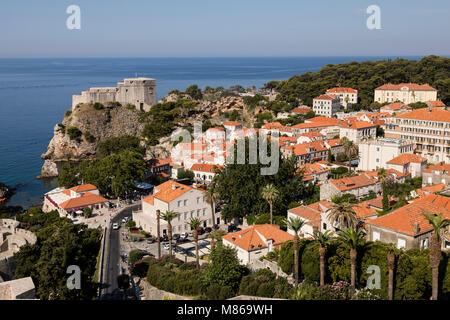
x,y
405,92
427,128
326,105
347,96
373,154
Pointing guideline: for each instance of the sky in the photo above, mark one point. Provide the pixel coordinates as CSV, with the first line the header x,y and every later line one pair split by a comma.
x,y
226,28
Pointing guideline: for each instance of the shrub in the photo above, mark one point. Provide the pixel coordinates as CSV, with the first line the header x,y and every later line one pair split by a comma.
x,y
265,290
140,268
89,137
134,256
67,113
74,133
130,106
98,106
310,265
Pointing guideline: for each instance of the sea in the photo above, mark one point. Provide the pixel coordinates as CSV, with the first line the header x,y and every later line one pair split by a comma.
x,y
35,93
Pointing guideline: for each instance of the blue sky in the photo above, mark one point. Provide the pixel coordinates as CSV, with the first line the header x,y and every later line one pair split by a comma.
x,y
201,28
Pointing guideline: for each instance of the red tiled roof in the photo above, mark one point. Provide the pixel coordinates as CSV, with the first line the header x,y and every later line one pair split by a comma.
x,y
403,220
301,110
424,191
253,237
341,90
349,183
410,86
441,166
83,188
86,199
437,103
232,124
407,158
395,106
430,114
165,192
325,97
204,167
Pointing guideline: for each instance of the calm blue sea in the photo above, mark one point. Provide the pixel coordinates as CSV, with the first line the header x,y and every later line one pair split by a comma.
x,y
34,93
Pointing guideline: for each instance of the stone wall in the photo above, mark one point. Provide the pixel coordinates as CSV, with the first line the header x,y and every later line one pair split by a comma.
x,y
149,292
272,266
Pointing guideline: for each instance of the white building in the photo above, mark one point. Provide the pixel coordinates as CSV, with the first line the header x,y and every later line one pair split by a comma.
x,y
405,92
347,96
204,172
315,217
174,196
256,241
326,105
374,154
408,163
358,131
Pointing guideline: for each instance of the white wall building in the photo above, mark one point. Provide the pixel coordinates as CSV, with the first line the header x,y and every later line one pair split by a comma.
x,y
347,96
326,105
405,92
373,154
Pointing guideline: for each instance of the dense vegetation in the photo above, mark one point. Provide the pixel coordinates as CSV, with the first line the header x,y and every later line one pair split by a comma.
x,y
412,279
239,187
119,144
113,175
217,280
365,77
60,243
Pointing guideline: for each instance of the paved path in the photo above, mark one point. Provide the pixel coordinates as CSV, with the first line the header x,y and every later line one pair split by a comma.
x,y
111,269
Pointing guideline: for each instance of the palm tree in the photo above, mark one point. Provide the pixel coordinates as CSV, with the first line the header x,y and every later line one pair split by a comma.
x,y
343,214
391,265
216,235
211,196
270,193
323,238
382,176
158,231
168,217
195,223
295,224
352,237
438,225
350,150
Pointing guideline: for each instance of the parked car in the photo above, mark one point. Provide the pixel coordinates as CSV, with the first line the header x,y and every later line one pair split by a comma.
x,y
232,228
184,236
150,240
176,236
200,230
208,230
115,226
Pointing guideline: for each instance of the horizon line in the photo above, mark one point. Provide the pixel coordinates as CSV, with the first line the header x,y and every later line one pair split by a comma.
x,y
231,57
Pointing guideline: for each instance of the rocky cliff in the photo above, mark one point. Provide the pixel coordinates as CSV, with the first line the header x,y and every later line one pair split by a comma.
x,y
94,126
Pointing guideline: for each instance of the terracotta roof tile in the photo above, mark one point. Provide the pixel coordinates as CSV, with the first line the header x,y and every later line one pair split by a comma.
x,y
410,86
407,158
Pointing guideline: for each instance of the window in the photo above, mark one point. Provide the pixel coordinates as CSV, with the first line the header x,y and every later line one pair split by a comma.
x,y
198,213
204,211
185,202
179,203
401,243
424,243
192,213
324,226
185,215
375,236
198,200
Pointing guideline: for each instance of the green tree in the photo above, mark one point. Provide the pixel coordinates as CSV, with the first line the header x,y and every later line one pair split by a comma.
x,y
211,196
224,269
270,193
323,239
134,256
438,224
194,224
296,225
130,224
343,214
353,238
168,217
194,92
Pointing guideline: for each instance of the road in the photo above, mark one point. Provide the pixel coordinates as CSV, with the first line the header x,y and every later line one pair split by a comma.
x,y
110,289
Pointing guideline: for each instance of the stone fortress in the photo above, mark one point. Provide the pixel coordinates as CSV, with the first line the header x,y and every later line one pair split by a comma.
x,y
140,92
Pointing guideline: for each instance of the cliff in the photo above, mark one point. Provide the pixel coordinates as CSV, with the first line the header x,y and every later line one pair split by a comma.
x,y
93,125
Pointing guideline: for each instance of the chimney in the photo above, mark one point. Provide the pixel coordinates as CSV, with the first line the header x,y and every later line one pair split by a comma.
x,y
174,187
233,238
416,228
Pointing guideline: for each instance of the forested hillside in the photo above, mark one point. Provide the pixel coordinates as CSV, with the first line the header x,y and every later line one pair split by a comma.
x,y
365,77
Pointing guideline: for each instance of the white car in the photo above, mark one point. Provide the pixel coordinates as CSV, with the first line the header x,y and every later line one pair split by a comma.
x,y
184,235
115,226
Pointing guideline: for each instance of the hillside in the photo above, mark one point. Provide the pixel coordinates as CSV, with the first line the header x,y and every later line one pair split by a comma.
x,y
365,77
